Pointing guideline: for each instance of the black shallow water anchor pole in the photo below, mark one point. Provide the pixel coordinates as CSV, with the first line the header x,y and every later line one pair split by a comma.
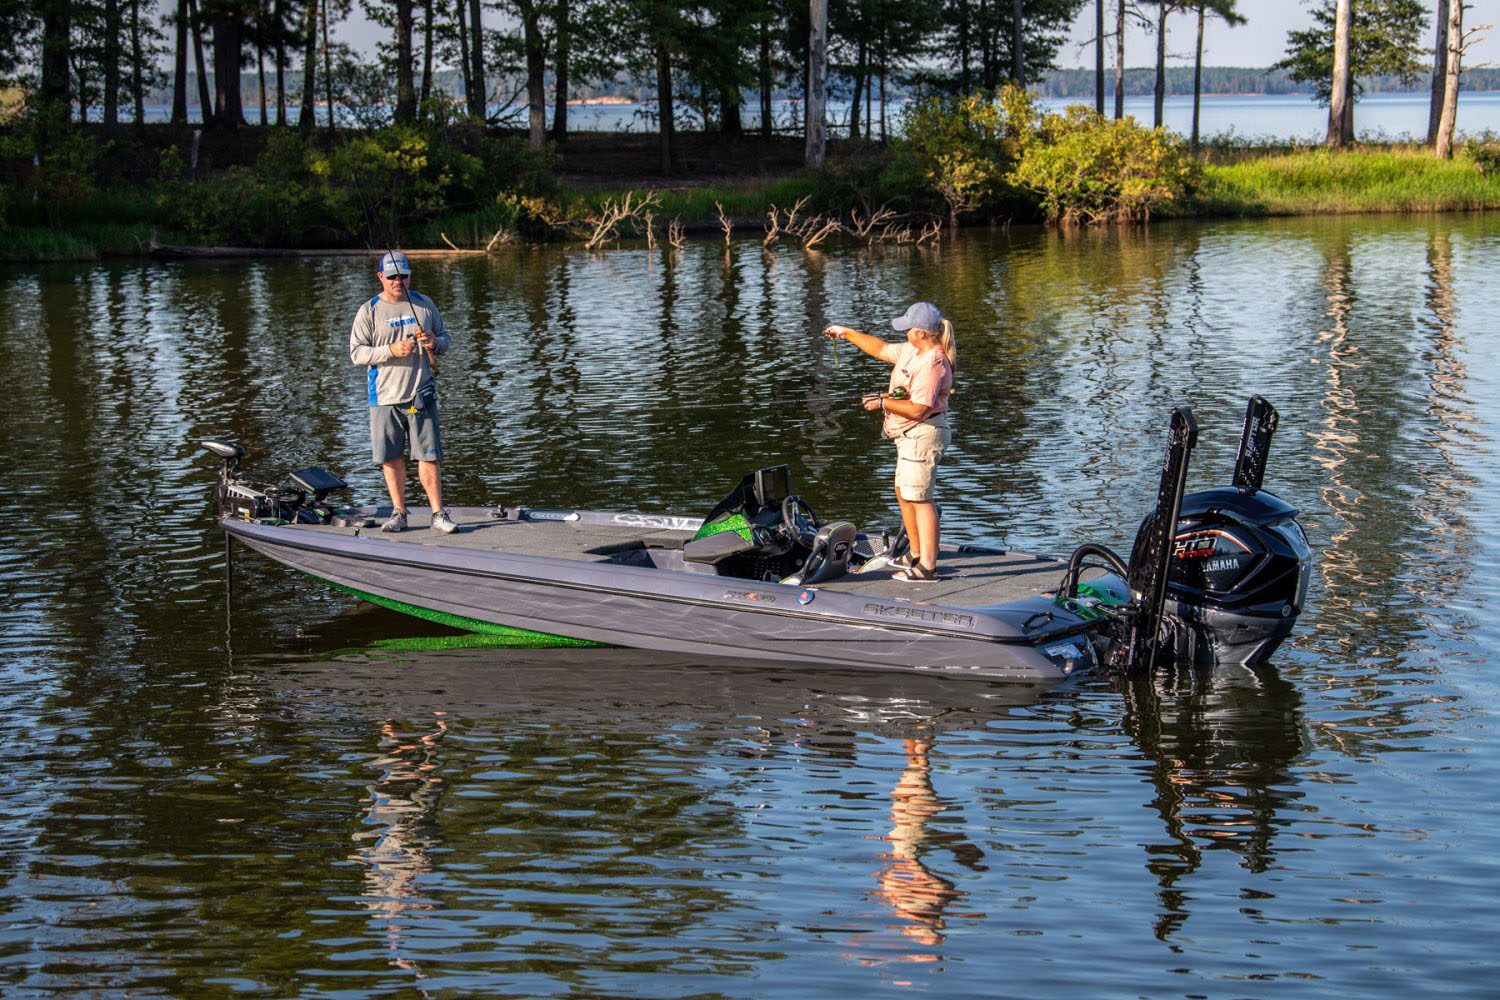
x,y
1261,419
1151,558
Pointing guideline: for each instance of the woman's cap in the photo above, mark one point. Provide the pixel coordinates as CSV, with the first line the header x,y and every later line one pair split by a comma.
x,y
394,263
922,315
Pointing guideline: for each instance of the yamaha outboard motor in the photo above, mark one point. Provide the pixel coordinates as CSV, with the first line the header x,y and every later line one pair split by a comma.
x,y
1238,565
1225,584
1240,562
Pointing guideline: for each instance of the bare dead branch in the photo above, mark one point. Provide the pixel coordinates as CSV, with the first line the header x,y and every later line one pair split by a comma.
x,y
725,222
811,237
675,233
614,212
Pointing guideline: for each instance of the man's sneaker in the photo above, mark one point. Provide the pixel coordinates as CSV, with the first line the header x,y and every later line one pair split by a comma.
x,y
396,522
442,522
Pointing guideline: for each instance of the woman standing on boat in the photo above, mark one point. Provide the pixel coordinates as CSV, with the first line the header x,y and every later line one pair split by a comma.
x,y
916,417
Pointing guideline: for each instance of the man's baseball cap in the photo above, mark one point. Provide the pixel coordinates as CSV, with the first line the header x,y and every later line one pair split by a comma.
x,y
922,315
394,263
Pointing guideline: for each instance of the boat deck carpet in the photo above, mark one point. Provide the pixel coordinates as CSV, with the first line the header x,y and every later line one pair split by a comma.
x,y
965,579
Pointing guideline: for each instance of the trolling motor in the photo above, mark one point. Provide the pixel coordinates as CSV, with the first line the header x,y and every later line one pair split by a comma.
x,y
301,499
1225,584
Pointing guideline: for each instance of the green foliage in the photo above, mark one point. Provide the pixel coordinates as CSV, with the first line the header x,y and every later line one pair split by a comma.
x,y
1387,39
1088,168
963,150
1486,156
45,160
370,188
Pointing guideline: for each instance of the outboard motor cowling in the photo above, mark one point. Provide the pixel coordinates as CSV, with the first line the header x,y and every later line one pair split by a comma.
x,y
1238,575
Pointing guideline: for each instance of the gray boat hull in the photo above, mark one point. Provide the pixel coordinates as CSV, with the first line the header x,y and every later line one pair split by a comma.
x,y
696,613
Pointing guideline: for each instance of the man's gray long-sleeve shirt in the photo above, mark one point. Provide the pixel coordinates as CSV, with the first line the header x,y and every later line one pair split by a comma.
x,y
377,325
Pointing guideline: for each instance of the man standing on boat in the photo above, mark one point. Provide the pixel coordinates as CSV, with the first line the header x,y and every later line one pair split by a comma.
x,y
396,335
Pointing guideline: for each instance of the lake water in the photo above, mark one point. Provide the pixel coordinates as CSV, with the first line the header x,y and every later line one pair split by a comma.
x,y
1283,117
333,800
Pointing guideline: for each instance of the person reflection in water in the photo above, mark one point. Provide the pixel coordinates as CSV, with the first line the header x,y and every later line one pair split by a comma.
x,y
395,846
918,894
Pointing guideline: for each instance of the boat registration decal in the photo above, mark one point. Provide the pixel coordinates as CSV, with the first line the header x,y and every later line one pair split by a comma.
x,y
658,521
920,614
749,595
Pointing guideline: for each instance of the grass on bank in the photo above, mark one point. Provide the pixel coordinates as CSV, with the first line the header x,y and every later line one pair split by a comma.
x,y
1325,182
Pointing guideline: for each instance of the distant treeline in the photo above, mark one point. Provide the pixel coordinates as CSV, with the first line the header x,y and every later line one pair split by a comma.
x,y
1141,81
1057,83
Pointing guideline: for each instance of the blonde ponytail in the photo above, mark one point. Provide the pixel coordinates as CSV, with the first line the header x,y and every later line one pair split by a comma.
x,y
949,343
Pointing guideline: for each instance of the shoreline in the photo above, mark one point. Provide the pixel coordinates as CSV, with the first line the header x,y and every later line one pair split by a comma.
x,y
1235,183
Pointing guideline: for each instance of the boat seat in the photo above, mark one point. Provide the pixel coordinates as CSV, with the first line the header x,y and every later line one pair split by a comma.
x,y
829,559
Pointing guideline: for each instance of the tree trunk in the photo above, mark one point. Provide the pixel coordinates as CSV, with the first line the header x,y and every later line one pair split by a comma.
x,y
306,115
260,68
406,86
1439,71
137,80
465,66
1120,60
1443,145
205,103
281,63
1197,76
859,81
1161,63
228,37
1099,57
1017,45
427,6
963,46
536,71
664,106
1338,113
111,65
560,72
327,62
766,119
479,95
817,82
57,30
179,65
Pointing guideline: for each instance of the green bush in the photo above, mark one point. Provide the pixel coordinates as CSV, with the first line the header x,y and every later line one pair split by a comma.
x,y
963,150
1088,168
370,188
1487,156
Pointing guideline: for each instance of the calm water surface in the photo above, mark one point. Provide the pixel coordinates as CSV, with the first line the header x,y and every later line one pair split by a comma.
x,y
335,800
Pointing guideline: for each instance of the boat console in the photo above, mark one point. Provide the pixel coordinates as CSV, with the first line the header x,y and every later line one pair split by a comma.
x,y
764,531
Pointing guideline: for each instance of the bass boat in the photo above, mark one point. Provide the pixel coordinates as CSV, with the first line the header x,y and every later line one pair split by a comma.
x,y
762,577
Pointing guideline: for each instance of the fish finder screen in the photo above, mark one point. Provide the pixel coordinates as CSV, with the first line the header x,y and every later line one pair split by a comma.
x,y
773,485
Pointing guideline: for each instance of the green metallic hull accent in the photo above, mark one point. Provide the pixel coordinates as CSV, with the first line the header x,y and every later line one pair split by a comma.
x,y
507,636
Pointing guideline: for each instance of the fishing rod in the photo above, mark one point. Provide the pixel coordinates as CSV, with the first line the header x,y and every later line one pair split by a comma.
x,y
431,358
900,393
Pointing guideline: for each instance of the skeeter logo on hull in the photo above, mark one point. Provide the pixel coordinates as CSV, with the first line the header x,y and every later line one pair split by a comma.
x,y
915,614
658,521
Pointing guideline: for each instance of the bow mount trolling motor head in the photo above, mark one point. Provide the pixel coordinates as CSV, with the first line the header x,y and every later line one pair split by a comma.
x,y
301,499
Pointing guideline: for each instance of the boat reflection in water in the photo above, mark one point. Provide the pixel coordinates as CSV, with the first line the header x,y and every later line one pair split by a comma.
x,y
1223,745
670,799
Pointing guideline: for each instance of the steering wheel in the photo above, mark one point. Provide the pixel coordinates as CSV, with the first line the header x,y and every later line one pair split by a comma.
x,y
799,520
